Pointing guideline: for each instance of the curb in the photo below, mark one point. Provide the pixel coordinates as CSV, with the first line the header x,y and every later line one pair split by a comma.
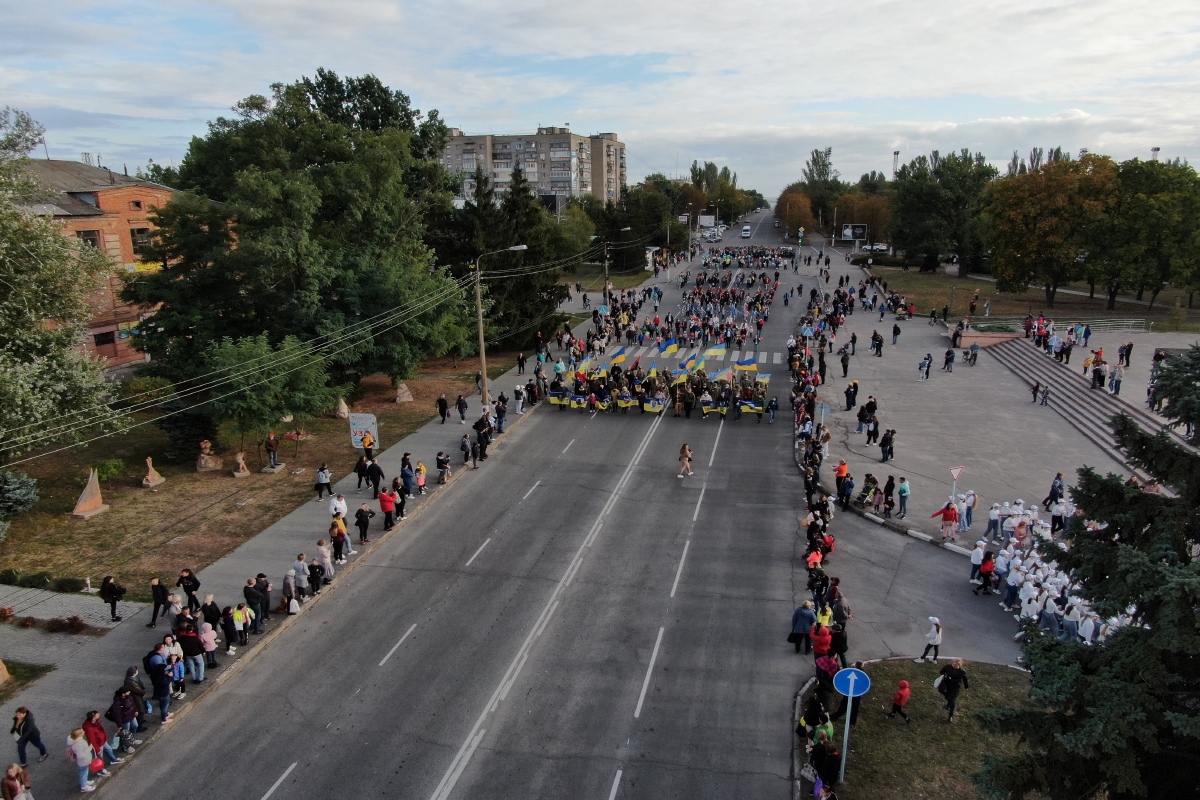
x,y
269,637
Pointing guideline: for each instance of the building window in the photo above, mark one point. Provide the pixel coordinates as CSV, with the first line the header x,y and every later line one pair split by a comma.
x,y
90,238
136,205
141,240
106,339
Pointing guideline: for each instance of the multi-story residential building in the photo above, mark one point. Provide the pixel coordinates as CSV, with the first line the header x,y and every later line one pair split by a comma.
x,y
555,161
107,210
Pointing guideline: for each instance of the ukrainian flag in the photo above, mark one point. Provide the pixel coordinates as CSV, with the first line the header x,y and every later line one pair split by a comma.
x,y
668,347
699,366
690,364
653,369
746,364
719,350
723,375
618,357
680,377
763,377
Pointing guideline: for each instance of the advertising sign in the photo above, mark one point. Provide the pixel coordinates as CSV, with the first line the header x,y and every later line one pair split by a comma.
x,y
856,232
360,424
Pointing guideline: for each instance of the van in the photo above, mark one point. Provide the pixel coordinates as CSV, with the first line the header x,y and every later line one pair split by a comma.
x,y
745,231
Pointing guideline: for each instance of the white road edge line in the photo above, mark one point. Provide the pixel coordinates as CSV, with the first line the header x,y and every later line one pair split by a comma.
x,y
616,784
637,712
568,447
546,621
473,738
477,552
699,500
679,571
531,488
573,571
513,679
716,442
275,785
396,646
591,536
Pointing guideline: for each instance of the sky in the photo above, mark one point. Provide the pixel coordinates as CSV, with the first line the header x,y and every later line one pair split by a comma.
x,y
754,85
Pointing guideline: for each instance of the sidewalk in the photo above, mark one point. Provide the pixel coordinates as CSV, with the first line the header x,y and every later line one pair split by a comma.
x,y
979,417
90,668
44,604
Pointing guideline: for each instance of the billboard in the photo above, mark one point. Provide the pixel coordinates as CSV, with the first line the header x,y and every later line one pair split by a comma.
x,y
706,220
856,232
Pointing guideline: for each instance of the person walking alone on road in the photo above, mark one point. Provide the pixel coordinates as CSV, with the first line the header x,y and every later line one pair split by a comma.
x,y
323,483
461,405
895,334
111,592
25,732
1037,387
933,641
685,461
952,680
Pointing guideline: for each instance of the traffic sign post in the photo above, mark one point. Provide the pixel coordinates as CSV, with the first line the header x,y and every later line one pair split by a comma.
x,y
954,473
824,408
852,683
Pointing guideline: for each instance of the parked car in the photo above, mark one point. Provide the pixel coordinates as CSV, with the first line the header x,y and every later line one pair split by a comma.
x,y
776,223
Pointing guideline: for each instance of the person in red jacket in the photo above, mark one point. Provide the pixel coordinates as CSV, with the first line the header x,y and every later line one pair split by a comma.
x,y
821,640
387,504
93,729
949,515
900,700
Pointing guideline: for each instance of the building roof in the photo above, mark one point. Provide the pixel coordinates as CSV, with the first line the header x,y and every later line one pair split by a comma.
x,y
62,180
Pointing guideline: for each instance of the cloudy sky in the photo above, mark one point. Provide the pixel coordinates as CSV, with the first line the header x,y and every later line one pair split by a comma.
x,y
755,84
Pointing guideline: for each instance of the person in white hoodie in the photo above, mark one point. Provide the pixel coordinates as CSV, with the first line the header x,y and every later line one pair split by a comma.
x,y
933,641
993,526
976,560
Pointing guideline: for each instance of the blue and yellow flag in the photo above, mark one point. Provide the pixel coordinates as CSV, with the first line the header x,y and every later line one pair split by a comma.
x,y
668,347
723,375
719,350
653,369
763,377
746,364
690,364
618,357
699,365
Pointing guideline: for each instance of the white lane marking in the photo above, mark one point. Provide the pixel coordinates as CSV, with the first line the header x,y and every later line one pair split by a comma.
x,y
593,416
679,571
546,621
592,536
762,357
458,771
716,442
568,447
402,638
637,712
512,680
616,783
777,358
444,787
531,488
275,785
477,552
699,500
573,571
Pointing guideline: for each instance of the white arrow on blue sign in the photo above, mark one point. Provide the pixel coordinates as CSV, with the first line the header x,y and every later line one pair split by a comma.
x,y
851,682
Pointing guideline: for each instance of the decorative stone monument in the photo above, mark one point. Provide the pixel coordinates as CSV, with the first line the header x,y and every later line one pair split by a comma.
x,y
403,395
342,411
206,461
241,471
152,478
90,503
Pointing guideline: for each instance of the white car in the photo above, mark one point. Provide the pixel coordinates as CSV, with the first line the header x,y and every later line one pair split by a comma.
x,y
746,231
878,247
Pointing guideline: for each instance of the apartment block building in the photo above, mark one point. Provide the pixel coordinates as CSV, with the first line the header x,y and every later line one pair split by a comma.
x,y
109,211
555,161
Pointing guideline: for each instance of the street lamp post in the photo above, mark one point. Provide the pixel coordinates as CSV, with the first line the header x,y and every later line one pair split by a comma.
x,y
477,266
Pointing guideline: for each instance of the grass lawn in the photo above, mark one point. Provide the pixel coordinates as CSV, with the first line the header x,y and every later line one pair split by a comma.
x,y
195,518
20,676
935,290
928,758
591,276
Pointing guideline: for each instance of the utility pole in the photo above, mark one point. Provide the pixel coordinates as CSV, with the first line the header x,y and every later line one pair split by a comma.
x,y
478,267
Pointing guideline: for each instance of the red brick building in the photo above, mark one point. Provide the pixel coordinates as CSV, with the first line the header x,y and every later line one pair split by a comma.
x,y
108,210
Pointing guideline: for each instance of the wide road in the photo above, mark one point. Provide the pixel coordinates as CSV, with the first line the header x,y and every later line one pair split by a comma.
x,y
571,620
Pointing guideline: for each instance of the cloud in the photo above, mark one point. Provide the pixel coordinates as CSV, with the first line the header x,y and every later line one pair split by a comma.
x,y
757,85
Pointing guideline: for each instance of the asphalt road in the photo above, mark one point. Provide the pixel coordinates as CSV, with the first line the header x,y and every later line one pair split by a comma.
x,y
572,621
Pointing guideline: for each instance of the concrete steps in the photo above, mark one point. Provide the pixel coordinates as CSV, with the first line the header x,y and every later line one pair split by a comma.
x,y
1088,410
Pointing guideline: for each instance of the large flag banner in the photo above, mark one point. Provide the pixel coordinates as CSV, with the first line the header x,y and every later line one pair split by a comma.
x,y
618,357
724,375
699,365
653,369
746,364
719,350
668,347
763,377
690,364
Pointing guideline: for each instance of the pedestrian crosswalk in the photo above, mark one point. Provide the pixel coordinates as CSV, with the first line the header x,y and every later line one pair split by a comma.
x,y
648,354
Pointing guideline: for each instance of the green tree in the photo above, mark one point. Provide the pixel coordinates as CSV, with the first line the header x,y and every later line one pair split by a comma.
x,y
873,183
794,210
1038,222
822,183
318,233
50,390
1160,220
1119,720
936,208
1179,385
255,400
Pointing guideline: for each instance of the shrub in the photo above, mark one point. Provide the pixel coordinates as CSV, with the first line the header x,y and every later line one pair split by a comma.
x,y
109,469
56,625
75,624
18,493
10,577
35,580
3,530
6,613
27,622
145,389
68,585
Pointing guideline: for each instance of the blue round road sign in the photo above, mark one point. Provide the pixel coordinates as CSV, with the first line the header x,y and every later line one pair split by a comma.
x,y
851,682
